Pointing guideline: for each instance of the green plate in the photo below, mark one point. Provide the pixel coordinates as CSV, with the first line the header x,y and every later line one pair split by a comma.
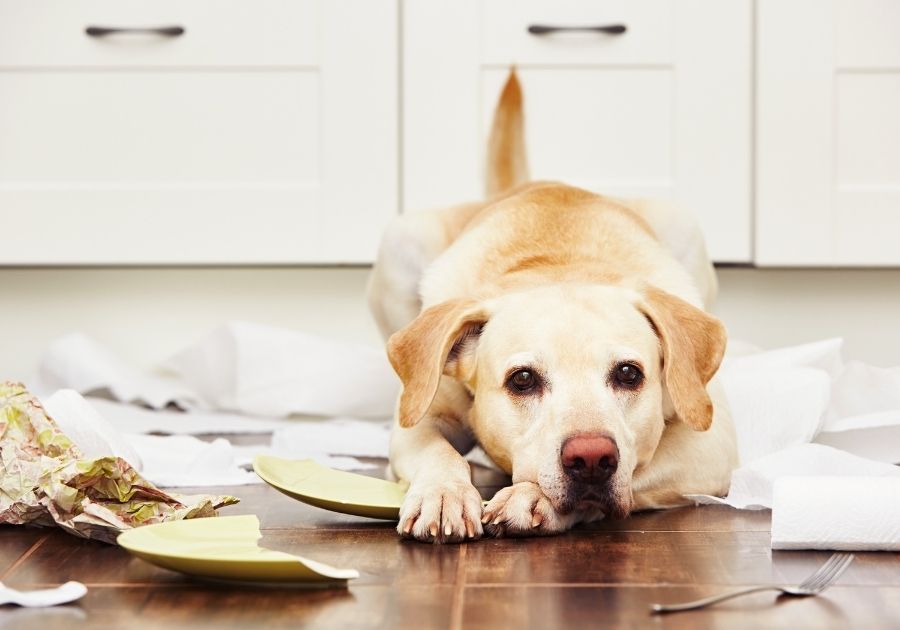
x,y
334,490
225,548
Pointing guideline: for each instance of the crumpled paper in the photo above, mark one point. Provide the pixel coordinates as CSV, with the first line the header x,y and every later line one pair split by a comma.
x,y
239,367
264,370
802,411
45,479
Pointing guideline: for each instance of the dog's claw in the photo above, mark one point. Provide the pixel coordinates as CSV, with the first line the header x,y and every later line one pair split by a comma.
x,y
445,511
523,510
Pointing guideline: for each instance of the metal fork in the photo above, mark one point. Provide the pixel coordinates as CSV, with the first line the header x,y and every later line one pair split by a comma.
x,y
824,577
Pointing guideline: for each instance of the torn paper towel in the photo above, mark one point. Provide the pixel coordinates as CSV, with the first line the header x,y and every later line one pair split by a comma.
x,y
863,416
262,370
77,362
133,419
800,412
46,480
752,484
849,513
246,368
799,394
80,422
338,436
184,461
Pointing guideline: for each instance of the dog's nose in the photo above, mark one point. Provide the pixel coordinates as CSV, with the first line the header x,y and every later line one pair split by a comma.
x,y
590,458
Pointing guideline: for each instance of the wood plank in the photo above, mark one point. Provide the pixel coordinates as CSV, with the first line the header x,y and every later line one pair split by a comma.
x,y
15,542
628,607
606,572
380,557
219,606
657,558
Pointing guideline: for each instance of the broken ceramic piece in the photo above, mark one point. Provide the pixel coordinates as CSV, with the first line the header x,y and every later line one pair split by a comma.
x,y
226,548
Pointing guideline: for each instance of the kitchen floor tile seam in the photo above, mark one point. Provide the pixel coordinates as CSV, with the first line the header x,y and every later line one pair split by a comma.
x,y
457,603
24,557
223,585
584,533
392,529
379,585
672,585
571,533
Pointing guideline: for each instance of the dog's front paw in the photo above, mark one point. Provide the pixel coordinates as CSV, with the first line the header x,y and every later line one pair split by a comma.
x,y
448,511
522,509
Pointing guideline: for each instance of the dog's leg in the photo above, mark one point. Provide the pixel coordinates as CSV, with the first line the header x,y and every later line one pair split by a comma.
x,y
441,504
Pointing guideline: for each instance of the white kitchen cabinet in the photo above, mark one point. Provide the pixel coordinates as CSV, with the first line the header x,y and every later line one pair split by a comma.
x,y
662,110
828,133
266,132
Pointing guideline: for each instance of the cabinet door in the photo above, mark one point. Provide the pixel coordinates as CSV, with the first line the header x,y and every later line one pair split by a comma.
x,y
265,133
662,110
828,134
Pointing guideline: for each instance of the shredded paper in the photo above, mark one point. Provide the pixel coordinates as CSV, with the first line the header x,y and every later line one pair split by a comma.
x,y
45,480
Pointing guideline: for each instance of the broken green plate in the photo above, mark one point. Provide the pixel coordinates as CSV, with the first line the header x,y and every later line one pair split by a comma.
x,y
225,548
334,490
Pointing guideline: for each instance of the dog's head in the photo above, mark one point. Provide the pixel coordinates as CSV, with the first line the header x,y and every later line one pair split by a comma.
x,y
571,385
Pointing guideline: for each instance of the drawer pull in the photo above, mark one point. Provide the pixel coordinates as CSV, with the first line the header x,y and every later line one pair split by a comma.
x,y
608,29
164,31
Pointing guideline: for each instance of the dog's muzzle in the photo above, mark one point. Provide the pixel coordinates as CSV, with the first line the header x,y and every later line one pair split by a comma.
x,y
589,461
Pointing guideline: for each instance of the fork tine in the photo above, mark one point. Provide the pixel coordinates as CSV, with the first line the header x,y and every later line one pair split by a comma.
x,y
814,577
824,578
837,572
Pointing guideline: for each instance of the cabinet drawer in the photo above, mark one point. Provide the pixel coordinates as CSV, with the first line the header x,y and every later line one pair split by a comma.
x,y
266,134
660,111
216,33
648,39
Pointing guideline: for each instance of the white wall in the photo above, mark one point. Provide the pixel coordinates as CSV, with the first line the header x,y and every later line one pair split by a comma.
x,y
777,307
146,314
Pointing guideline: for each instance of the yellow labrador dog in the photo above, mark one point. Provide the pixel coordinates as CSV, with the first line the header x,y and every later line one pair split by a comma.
x,y
565,333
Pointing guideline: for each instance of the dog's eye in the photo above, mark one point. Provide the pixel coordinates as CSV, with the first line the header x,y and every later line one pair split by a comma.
x,y
627,375
522,381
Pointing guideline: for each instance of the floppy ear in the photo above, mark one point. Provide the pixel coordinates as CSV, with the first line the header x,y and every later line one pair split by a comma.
x,y
692,344
432,345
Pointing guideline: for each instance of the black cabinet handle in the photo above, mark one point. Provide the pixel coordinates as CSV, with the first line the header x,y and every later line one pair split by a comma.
x,y
164,31
608,29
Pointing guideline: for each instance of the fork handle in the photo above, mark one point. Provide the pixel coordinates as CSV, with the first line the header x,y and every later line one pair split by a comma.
x,y
709,601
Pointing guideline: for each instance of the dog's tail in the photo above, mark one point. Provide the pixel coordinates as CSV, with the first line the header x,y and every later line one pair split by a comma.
x,y
507,161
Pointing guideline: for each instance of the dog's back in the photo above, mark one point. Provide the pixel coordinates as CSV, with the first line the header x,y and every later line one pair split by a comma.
x,y
545,227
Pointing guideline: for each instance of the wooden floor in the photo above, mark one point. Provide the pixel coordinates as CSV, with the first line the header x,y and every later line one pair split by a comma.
x,y
604,575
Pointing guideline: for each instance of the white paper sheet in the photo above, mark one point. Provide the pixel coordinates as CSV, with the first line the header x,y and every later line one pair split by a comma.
x,y
182,460
244,368
133,419
849,513
781,400
77,362
338,436
88,429
262,370
752,484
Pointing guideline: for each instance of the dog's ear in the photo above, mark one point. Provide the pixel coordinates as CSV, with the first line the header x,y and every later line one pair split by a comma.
x,y
693,343
435,343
